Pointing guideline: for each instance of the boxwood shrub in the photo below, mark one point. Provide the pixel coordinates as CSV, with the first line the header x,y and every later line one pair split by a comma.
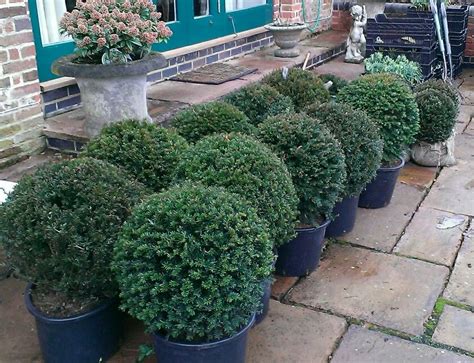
x,y
314,159
390,102
441,86
437,116
201,120
190,262
337,83
246,167
59,227
303,87
148,152
258,101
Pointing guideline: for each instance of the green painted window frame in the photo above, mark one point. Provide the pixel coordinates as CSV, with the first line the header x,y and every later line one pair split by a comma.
x,y
187,30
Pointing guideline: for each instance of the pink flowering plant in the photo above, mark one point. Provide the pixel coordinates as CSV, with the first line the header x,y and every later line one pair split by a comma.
x,y
114,31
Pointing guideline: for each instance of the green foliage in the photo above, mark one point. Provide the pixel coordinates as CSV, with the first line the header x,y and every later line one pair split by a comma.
x,y
190,262
337,83
147,151
303,87
360,140
59,226
314,159
441,86
437,116
246,167
391,104
259,101
408,70
210,118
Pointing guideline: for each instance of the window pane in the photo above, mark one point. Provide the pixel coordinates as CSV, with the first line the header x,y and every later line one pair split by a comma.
x,y
231,5
168,10
201,7
50,13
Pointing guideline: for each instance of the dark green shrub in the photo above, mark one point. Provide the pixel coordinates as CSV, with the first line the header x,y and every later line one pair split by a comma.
x,y
360,140
59,226
314,159
303,87
437,116
258,101
390,102
147,151
441,86
198,121
190,262
246,167
337,83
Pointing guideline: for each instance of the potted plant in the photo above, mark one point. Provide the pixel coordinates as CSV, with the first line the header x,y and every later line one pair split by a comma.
x,y
303,87
408,70
441,86
112,58
316,164
435,140
360,140
58,228
389,101
250,169
189,264
148,152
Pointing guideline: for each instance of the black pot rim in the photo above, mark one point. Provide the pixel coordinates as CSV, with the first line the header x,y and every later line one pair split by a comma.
x,y
38,314
393,168
308,229
206,345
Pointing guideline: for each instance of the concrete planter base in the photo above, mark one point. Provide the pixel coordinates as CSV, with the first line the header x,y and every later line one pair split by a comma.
x,y
286,38
113,92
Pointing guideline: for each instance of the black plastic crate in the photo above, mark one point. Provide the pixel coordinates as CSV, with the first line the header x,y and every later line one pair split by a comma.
x,y
401,39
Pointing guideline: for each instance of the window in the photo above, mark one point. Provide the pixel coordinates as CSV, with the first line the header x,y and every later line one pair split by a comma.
x,y
232,5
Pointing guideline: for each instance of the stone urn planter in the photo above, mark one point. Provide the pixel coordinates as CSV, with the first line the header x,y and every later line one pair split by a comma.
x,y
110,92
286,37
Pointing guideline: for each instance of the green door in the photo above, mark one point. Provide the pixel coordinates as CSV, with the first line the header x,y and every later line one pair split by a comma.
x,y
192,22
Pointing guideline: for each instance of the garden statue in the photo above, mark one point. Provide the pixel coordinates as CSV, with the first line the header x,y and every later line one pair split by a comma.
x,y
356,39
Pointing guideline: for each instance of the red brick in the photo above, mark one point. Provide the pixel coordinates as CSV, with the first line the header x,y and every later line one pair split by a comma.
x,y
17,38
12,11
18,66
26,90
14,54
28,51
30,76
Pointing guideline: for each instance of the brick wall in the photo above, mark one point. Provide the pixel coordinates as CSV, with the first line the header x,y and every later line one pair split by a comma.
x,y
469,51
341,17
21,118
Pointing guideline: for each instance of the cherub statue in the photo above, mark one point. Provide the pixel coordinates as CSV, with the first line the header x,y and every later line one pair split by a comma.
x,y
356,39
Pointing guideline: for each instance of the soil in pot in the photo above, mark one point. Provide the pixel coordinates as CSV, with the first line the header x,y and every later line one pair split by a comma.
x,y
230,350
345,213
378,193
300,256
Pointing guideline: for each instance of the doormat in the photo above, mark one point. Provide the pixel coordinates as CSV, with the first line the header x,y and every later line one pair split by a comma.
x,y
216,73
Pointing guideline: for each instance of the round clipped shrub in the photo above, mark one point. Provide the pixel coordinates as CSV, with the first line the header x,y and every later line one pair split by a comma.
x,y
246,167
190,262
437,116
148,152
359,138
389,101
259,101
314,159
59,227
303,87
337,83
201,120
441,86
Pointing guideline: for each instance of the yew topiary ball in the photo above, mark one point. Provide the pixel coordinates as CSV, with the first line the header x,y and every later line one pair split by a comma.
x,y
338,83
149,152
190,262
359,138
248,168
441,86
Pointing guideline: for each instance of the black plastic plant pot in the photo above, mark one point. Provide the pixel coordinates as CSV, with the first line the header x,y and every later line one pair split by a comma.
x,y
300,256
90,337
265,301
345,213
230,350
379,191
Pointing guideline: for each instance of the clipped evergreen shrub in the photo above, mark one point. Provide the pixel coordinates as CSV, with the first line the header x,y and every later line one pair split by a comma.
x,y
190,262
437,116
59,227
201,120
337,83
441,86
246,167
149,152
303,87
389,101
314,159
259,101
359,138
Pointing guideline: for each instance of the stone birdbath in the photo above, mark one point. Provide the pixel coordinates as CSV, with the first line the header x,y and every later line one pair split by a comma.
x,y
286,37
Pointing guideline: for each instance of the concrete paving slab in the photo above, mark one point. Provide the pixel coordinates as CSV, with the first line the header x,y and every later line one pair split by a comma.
x,y
456,328
422,238
294,334
361,345
338,67
387,290
417,176
381,228
464,147
281,285
464,118
461,283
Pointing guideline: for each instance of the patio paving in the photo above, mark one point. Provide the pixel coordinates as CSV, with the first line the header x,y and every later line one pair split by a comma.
x,y
456,328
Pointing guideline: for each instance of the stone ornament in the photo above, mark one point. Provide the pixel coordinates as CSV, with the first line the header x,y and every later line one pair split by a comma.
x,y
356,40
